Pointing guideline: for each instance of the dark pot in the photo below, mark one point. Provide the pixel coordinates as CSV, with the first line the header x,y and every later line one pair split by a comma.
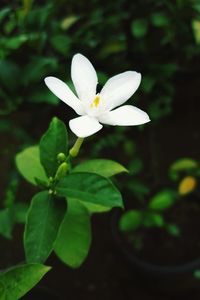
x,y
157,278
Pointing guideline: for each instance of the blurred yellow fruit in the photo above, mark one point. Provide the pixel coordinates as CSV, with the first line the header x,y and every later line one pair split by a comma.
x,y
187,185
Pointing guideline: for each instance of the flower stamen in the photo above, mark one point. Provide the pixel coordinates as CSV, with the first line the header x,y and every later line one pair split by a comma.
x,y
95,102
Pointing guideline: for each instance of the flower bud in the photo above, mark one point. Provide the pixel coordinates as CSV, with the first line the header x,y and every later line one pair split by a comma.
x,y
75,149
62,171
61,157
51,179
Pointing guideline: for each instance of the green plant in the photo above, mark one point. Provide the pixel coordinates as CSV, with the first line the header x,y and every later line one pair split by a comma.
x,y
184,172
58,217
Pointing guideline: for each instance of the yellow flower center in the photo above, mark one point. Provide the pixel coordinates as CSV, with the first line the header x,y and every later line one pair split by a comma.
x,y
95,102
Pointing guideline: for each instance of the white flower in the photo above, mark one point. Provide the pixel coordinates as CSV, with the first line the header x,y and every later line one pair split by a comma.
x,y
98,108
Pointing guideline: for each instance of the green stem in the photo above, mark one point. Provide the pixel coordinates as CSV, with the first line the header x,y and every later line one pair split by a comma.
x,y
75,149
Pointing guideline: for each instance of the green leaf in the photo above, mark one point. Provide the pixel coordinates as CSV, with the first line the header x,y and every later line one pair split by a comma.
x,y
68,22
9,71
102,77
160,107
90,188
139,28
16,42
10,215
182,165
196,274
112,47
131,220
159,19
196,30
39,67
74,237
95,208
28,164
6,222
43,221
172,229
53,142
43,96
103,167
138,188
136,166
61,43
162,200
17,281
20,210
151,219
148,84
196,6
4,12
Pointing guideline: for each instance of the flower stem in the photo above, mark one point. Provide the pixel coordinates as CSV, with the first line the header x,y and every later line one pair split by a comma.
x,y
75,149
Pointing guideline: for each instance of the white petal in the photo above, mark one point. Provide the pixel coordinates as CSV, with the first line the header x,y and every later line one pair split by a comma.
x,y
84,77
84,126
120,88
63,92
126,115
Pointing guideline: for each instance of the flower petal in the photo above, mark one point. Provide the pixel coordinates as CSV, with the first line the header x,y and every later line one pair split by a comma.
x,y
84,77
120,88
63,92
126,115
84,126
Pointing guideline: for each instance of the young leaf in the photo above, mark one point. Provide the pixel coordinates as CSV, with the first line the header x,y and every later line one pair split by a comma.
x,y
28,164
74,237
91,188
43,221
130,220
103,167
162,200
53,142
17,281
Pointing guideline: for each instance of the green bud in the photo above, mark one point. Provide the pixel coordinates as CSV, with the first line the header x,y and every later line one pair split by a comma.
x,y
62,171
75,149
61,157
73,152
51,179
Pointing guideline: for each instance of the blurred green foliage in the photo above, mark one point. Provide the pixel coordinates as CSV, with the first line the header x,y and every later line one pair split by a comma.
x,y
157,38
160,39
